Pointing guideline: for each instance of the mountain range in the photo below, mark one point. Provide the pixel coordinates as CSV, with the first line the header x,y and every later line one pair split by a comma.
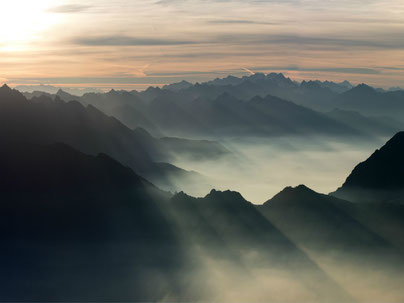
x,y
229,107
92,210
46,120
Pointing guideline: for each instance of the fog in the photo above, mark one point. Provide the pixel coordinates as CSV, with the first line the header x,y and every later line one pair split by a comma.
x,y
266,268
259,168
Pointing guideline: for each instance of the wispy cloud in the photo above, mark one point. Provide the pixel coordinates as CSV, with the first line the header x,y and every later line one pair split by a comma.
x,y
239,21
342,70
248,70
127,41
381,41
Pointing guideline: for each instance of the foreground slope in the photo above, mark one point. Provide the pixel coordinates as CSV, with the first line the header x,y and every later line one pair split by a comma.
x,y
359,245
80,228
380,178
44,120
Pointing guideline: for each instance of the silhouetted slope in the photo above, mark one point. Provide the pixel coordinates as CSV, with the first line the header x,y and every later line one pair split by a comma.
x,y
380,178
76,227
358,244
318,221
44,120
226,228
325,223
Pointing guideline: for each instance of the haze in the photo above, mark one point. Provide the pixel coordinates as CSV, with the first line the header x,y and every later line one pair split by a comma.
x,y
258,168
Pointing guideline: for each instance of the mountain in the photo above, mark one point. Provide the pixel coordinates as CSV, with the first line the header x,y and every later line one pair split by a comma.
x,y
359,245
53,90
227,115
178,86
111,99
336,87
189,110
77,227
366,100
319,222
381,126
44,120
177,148
380,178
233,238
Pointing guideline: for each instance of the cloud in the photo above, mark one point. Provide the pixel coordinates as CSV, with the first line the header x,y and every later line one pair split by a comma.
x,y
126,41
68,8
239,21
248,70
343,70
390,41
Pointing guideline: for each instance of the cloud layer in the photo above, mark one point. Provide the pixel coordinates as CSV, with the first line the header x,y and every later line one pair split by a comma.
x,y
358,40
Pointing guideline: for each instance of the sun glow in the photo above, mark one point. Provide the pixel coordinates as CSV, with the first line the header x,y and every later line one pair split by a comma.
x,y
23,21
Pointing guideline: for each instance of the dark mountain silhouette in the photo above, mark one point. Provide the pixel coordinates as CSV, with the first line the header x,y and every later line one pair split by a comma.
x,y
380,178
248,240
318,221
81,227
44,120
349,239
76,227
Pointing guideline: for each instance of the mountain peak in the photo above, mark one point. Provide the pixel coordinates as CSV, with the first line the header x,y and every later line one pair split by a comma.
x,y
225,196
290,193
363,88
5,89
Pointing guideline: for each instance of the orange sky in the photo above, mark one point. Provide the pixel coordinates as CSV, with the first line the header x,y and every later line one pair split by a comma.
x,y
133,44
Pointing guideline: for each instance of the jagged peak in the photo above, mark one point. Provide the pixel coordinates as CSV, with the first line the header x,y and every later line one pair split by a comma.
x,y
227,194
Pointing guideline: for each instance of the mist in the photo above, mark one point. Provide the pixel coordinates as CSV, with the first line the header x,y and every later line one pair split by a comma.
x,y
259,168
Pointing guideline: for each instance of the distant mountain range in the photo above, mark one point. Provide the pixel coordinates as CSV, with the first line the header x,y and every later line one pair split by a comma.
x,y
50,89
259,105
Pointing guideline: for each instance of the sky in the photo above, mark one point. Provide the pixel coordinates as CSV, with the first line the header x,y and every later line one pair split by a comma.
x,y
134,44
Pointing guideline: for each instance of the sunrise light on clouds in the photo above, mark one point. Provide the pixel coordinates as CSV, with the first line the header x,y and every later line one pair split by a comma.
x,y
133,44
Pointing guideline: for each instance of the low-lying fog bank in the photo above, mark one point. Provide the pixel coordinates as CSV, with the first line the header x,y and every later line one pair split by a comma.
x,y
260,168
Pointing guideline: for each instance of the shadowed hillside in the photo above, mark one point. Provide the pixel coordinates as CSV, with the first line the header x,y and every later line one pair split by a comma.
x,y
380,178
